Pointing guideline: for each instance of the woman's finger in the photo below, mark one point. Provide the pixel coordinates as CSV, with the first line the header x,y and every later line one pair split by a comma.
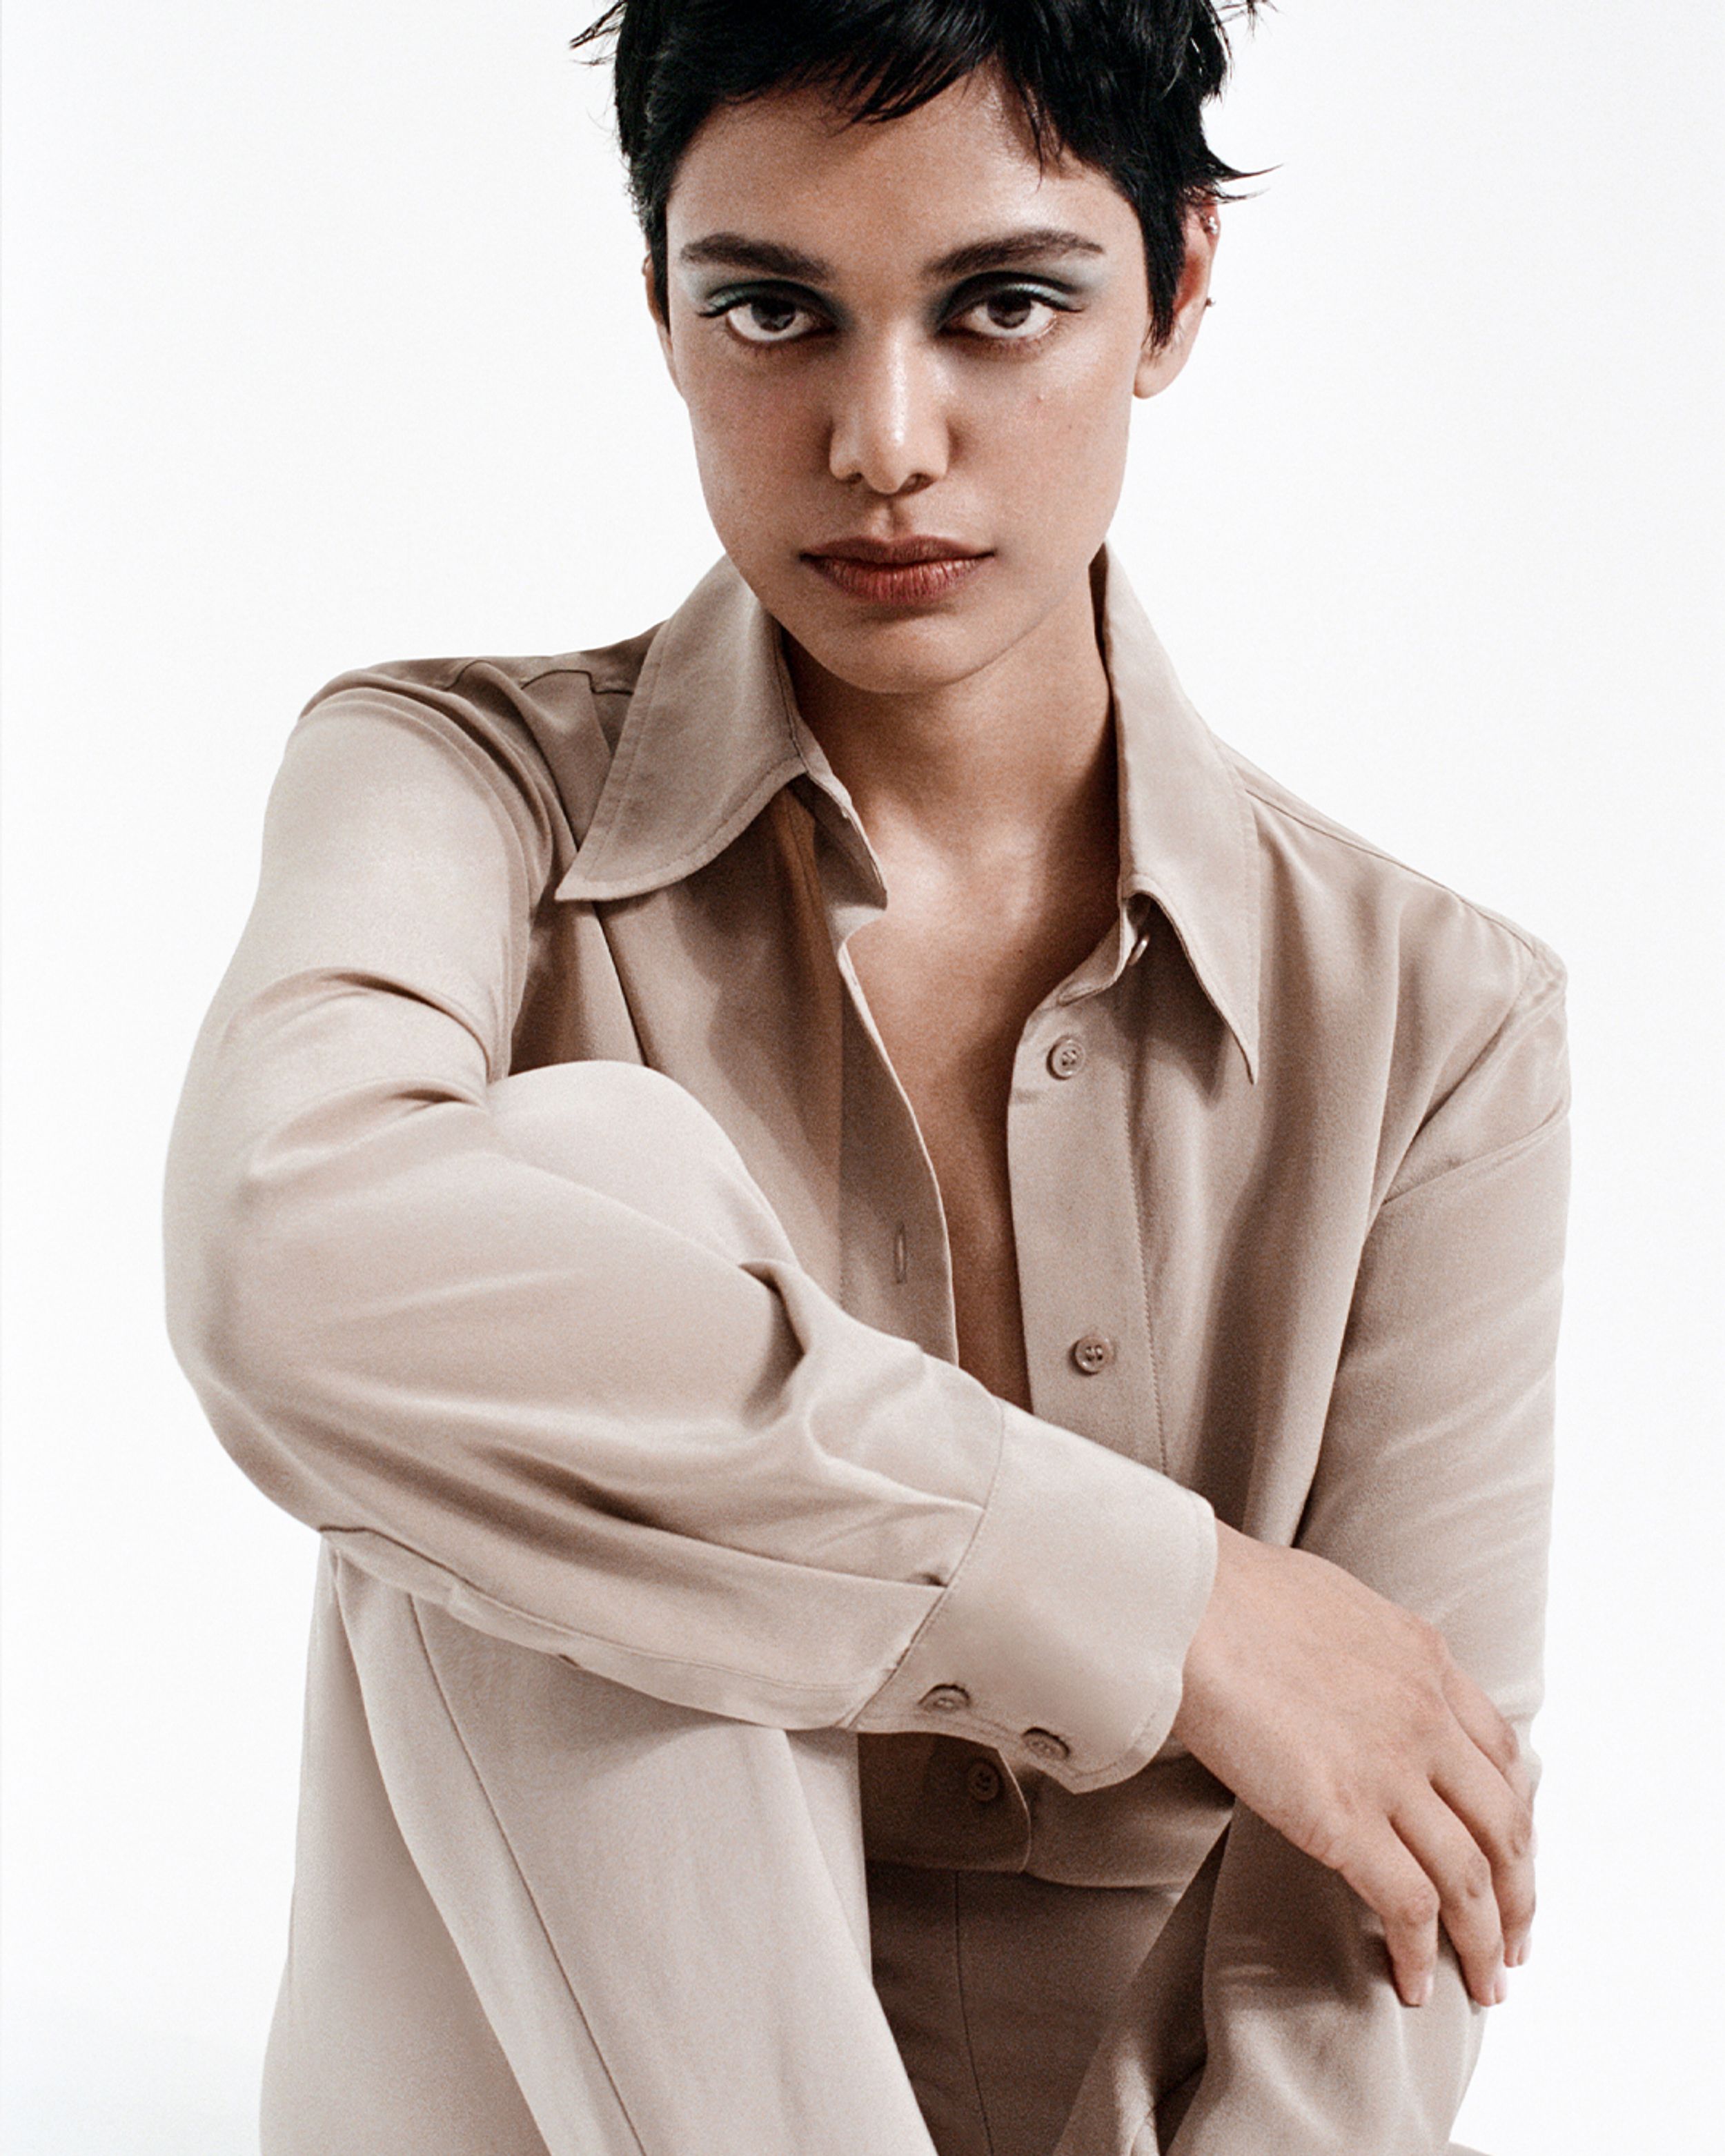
x,y
1459,1870
1387,1878
1489,1730
1501,1823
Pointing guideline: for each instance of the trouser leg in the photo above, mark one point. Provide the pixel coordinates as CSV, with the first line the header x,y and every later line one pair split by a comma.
x,y
999,1987
661,1915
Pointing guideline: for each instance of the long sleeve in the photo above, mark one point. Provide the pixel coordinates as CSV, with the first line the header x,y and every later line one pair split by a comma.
x,y
1433,1487
572,1425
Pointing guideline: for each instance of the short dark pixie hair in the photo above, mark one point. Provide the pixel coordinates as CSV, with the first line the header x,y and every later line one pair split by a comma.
x,y
1120,85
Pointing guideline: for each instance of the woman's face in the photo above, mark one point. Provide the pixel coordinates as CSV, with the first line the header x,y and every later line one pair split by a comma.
x,y
908,331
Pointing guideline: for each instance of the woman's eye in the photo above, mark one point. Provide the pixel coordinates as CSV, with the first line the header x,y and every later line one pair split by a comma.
x,y
768,318
1010,316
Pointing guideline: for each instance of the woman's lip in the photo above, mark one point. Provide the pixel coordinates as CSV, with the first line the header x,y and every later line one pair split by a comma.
x,y
901,583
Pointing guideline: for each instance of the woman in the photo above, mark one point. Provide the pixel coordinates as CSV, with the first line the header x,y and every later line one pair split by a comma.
x,y
917,1309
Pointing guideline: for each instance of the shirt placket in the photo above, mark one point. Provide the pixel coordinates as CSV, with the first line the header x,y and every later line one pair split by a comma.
x,y
1083,1299
1076,1225
1083,1296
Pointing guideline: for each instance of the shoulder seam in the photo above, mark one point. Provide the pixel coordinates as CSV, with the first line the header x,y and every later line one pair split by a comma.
x,y
525,681
1309,821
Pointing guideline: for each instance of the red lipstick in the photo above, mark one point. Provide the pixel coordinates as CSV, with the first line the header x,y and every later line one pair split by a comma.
x,y
909,571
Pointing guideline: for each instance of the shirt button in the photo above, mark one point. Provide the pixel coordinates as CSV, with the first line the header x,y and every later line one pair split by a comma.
x,y
1043,1744
946,1699
1066,1057
982,1781
1093,1352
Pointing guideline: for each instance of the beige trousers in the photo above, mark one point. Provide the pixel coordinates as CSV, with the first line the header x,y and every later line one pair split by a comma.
x,y
552,1916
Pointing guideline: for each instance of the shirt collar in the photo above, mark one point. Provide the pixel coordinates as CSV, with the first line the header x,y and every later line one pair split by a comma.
x,y
712,733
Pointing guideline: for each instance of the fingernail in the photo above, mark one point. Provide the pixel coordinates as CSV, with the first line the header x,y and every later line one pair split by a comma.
x,y
1500,1987
1422,1991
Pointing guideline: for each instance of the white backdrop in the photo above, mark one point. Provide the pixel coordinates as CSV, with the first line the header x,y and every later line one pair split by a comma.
x,y
326,346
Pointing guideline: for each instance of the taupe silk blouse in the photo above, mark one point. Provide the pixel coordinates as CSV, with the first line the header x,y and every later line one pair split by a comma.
x,y
1288,1159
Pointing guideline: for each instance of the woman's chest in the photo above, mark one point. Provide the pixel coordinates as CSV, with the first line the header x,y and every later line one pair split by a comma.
x,y
1179,1244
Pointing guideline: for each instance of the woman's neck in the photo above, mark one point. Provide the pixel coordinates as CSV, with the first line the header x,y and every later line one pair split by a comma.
x,y
1015,758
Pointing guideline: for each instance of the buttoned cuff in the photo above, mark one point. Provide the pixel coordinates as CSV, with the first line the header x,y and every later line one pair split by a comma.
x,y
1060,1640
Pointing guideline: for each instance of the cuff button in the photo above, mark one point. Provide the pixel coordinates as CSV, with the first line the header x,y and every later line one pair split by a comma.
x,y
946,1699
1043,1744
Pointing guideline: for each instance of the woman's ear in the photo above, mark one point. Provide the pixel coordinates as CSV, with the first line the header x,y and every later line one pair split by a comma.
x,y
1160,362
660,323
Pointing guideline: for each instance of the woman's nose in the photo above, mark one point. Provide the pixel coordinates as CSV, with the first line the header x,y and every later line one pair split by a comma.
x,y
889,421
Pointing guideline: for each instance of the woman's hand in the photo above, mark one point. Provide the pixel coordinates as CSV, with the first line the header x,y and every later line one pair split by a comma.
x,y
1342,1721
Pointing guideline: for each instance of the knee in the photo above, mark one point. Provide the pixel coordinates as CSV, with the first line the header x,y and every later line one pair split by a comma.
x,y
634,1135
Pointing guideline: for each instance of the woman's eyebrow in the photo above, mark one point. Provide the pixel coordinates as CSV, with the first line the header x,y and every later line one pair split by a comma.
x,y
732,250
769,258
1013,250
